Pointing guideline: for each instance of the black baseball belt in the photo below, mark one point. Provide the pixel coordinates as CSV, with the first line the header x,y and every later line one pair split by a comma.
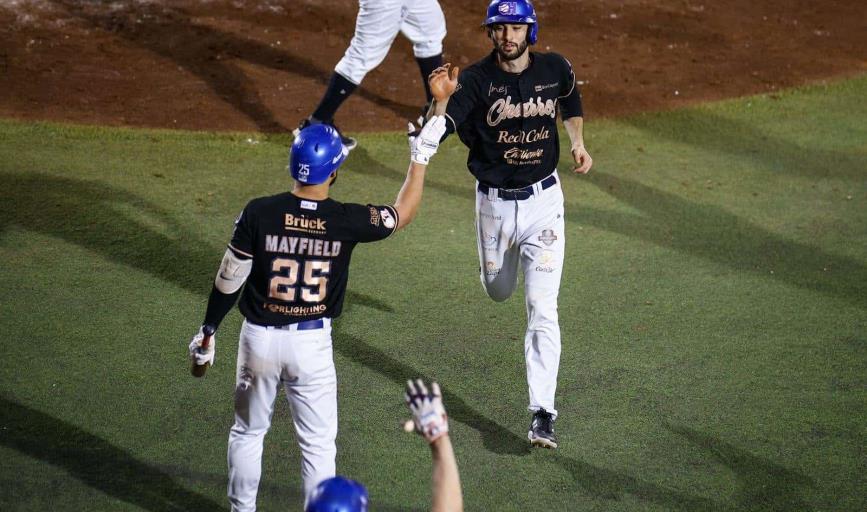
x,y
518,194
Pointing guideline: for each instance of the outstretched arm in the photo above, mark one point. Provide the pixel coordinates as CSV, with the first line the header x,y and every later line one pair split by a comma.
x,y
422,148
429,420
446,482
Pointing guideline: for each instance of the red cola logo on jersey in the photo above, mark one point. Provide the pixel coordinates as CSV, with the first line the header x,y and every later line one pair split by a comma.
x,y
503,109
523,137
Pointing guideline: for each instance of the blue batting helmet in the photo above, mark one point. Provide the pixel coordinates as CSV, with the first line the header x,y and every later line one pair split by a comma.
x,y
514,11
338,494
316,152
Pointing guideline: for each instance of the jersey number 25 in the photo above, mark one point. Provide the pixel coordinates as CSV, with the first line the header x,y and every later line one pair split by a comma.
x,y
284,284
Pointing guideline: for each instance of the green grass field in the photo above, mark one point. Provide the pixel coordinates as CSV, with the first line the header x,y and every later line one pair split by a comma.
x,y
713,309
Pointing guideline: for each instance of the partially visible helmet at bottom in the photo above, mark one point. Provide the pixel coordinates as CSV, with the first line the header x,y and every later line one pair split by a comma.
x,y
338,494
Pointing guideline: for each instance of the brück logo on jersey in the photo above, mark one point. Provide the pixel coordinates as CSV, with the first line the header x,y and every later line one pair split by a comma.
x,y
302,223
508,8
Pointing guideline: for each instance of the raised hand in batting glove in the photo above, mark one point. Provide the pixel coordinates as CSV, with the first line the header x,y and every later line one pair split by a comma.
x,y
429,417
424,145
200,355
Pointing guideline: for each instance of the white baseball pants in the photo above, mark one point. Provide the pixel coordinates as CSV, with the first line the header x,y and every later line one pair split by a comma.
x,y
301,362
377,24
527,234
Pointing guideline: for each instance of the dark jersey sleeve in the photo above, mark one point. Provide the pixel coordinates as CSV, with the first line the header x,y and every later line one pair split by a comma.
x,y
370,223
243,237
462,102
570,95
219,303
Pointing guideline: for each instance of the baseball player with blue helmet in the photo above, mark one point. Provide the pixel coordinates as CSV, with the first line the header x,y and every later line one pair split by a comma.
x,y
288,260
429,420
504,109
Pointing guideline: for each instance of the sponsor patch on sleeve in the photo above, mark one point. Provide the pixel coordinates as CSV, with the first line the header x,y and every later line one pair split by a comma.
x,y
374,216
387,219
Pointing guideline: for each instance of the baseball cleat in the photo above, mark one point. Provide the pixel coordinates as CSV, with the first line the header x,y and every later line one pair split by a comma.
x,y
541,432
349,142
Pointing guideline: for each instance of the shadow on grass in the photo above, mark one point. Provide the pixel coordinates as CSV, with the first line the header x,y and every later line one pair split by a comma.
x,y
95,216
209,53
711,233
605,484
745,141
495,437
360,162
270,492
94,461
704,231
764,485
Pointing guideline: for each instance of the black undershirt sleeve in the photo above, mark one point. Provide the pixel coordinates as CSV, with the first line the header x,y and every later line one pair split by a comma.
x,y
219,305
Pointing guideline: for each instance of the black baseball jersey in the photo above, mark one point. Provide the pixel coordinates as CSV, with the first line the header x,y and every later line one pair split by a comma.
x,y
509,120
301,251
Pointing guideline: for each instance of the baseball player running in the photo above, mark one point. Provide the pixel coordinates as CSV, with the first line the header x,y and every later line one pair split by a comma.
x,y
504,110
293,251
376,26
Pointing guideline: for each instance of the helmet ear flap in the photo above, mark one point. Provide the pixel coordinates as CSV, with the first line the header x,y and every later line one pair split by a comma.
x,y
533,33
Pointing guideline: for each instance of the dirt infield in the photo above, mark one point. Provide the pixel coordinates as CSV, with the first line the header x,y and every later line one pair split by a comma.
x,y
262,64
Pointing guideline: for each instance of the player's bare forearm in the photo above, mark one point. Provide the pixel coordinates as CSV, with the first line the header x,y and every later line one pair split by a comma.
x,y
575,129
437,108
446,481
409,197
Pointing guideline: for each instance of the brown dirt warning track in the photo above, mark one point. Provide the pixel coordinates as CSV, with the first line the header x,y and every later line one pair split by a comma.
x,y
262,65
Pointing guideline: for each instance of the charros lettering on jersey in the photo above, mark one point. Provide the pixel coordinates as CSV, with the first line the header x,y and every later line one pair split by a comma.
x,y
503,109
303,223
301,245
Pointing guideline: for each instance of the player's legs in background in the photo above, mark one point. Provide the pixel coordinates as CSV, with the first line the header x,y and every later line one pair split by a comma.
x,y
257,378
542,241
425,25
376,27
497,245
310,382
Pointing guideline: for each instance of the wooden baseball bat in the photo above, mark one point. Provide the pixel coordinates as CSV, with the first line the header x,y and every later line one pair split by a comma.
x,y
199,370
